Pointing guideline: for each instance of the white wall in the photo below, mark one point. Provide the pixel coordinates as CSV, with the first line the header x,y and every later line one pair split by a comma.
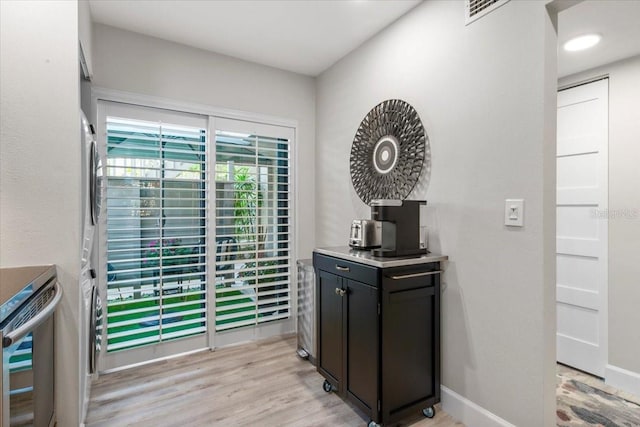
x,y
486,95
85,34
40,163
624,209
140,64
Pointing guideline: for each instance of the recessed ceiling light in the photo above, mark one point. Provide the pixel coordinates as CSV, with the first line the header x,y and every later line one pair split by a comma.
x,y
582,42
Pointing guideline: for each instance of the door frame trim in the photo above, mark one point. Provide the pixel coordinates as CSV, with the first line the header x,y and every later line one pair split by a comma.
x,y
584,82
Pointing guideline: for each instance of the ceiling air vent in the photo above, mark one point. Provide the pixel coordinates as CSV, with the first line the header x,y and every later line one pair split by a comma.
x,y
476,9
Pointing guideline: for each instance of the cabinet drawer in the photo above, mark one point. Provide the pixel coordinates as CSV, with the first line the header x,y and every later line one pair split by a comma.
x,y
402,278
350,270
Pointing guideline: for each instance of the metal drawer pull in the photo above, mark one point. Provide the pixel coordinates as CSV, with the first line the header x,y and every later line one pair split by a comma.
x,y
340,292
18,333
409,276
340,268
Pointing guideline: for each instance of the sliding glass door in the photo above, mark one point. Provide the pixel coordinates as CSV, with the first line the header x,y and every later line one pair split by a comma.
x,y
155,233
197,236
254,228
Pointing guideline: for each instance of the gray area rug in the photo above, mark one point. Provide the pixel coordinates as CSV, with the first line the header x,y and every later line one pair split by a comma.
x,y
582,405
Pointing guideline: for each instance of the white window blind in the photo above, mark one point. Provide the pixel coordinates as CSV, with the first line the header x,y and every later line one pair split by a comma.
x,y
253,229
156,234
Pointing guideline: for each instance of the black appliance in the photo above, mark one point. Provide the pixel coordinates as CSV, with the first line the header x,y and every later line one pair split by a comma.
x,y
400,221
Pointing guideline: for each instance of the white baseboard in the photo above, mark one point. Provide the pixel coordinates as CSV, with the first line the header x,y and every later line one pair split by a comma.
x,y
467,412
622,379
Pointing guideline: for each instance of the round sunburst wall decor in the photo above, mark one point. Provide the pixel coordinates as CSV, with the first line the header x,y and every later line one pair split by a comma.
x,y
388,152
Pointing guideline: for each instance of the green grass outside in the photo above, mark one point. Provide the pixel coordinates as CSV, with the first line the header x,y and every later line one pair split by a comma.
x,y
233,310
150,304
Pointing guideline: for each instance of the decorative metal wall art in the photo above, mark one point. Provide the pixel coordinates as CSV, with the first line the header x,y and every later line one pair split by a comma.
x,y
388,152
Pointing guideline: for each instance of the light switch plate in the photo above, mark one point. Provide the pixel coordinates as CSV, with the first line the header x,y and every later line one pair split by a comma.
x,y
514,212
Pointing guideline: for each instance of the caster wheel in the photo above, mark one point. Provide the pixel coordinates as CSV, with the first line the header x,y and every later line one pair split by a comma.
x,y
429,412
326,386
373,424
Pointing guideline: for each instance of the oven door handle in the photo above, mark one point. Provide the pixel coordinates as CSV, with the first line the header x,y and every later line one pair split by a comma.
x,y
18,333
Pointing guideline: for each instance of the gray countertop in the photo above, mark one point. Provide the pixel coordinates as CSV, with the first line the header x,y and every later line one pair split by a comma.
x,y
365,257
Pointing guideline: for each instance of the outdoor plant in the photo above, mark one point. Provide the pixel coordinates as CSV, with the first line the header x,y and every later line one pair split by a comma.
x,y
247,202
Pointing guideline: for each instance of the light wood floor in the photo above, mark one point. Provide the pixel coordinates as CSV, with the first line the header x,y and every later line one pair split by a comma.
x,y
261,384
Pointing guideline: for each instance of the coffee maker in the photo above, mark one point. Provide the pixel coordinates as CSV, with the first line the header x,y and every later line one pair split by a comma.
x,y
400,221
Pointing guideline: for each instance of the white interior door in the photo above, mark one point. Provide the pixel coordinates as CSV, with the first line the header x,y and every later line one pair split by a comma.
x,y
581,235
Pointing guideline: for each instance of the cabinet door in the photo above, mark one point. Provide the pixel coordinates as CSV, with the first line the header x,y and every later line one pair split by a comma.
x,y
330,337
409,348
362,344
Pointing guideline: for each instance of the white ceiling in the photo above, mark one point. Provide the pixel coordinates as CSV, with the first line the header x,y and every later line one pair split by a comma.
x,y
308,36
305,37
618,22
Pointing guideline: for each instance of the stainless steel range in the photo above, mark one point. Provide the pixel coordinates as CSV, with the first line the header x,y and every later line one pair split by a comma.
x,y
28,298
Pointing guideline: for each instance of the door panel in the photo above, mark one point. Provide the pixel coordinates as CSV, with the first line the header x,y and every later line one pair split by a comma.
x,y
577,222
581,228
330,329
362,354
579,298
574,139
577,322
578,171
577,272
408,353
153,235
578,247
